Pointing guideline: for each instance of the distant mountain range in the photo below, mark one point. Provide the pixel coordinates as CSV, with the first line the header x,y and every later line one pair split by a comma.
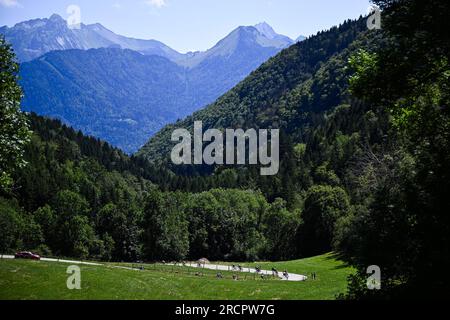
x,y
31,39
124,90
34,38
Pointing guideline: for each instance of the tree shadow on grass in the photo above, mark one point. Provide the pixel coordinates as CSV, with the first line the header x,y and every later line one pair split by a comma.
x,y
339,257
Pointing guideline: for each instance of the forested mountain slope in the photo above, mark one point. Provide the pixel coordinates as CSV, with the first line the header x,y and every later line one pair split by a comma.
x,y
287,92
124,96
80,197
75,197
118,95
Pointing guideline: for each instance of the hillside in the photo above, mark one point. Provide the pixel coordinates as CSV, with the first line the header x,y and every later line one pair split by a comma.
x,y
305,80
117,95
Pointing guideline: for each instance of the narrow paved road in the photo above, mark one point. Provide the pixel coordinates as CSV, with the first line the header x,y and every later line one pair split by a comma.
x,y
4,256
292,276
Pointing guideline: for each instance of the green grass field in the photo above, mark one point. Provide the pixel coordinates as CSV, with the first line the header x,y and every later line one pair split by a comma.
x,y
38,280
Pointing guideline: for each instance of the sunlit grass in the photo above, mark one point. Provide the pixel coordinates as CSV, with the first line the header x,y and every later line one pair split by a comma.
x,y
47,280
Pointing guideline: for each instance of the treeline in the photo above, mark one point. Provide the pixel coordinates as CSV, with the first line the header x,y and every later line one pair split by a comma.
x,y
402,222
219,224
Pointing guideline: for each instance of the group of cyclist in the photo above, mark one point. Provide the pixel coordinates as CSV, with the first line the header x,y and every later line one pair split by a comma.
x,y
258,269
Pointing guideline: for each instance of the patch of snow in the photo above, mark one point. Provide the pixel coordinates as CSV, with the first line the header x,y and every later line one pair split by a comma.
x,y
61,41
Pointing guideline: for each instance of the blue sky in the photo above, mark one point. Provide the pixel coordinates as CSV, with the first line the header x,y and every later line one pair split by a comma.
x,y
190,25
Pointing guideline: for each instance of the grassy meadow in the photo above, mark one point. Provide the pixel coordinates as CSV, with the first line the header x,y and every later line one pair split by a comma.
x,y
40,280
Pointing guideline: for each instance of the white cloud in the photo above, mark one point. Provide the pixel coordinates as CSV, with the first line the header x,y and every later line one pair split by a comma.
x,y
117,5
10,3
156,3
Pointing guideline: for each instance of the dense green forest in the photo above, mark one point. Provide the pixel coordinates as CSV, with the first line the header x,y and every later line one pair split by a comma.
x,y
365,125
77,197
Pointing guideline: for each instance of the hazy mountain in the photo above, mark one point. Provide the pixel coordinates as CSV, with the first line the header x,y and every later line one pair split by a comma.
x,y
147,47
267,31
31,39
300,39
260,37
231,60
